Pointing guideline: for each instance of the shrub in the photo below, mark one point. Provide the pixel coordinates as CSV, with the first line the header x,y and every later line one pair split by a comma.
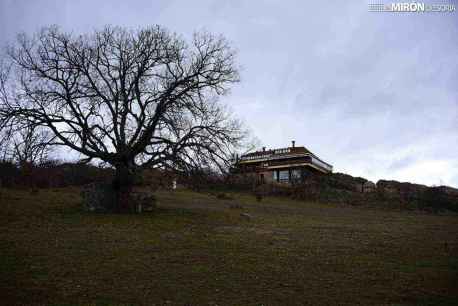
x,y
437,198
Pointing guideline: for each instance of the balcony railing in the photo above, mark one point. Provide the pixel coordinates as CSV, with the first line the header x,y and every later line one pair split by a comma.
x,y
321,164
275,160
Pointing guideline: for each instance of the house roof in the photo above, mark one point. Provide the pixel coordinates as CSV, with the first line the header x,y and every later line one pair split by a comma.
x,y
281,153
278,152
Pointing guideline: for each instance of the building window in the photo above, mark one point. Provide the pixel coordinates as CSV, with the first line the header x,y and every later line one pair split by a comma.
x,y
295,175
275,176
283,176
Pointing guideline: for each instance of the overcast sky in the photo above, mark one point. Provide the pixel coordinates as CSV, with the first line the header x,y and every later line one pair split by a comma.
x,y
374,94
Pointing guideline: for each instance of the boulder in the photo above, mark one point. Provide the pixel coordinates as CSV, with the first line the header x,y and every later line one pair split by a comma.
x,y
236,206
453,192
369,187
143,201
419,196
406,192
223,196
98,197
101,197
246,216
440,198
343,181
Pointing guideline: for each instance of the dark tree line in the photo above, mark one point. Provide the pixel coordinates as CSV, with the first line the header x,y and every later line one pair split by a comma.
x,y
50,174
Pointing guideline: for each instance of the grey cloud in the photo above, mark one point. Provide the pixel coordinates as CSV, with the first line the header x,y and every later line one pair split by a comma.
x,y
402,163
374,94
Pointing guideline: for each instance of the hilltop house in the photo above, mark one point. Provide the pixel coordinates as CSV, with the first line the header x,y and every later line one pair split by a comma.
x,y
285,165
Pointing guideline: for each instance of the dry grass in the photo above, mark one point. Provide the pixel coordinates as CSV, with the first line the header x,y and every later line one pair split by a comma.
x,y
196,250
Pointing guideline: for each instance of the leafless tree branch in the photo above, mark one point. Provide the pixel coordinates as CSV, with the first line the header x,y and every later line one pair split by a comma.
x,y
127,98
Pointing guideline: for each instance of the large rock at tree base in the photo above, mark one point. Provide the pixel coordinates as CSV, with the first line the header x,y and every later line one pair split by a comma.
x,y
98,197
101,197
143,201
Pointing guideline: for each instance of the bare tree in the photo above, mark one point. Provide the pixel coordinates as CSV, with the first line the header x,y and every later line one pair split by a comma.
x,y
23,143
30,145
128,98
4,133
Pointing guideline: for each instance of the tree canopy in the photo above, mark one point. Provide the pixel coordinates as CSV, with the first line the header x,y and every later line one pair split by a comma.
x,y
126,97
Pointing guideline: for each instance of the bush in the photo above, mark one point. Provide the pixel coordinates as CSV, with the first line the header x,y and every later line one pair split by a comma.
x,y
51,174
437,198
9,174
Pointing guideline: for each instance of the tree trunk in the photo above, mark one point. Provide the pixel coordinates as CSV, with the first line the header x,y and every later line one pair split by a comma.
x,y
122,185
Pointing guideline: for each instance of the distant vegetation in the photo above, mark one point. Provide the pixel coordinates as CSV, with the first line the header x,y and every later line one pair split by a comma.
x,y
339,188
330,188
51,174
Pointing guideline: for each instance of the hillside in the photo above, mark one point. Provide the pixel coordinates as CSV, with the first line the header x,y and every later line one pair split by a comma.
x,y
200,250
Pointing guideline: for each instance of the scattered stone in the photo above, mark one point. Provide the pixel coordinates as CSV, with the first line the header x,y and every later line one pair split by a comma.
x,y
170,236
246,216
223,196
236,206
230,229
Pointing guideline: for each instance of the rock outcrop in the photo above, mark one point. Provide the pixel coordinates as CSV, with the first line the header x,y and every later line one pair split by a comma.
x,y
143,201
345,189
369,186
100,197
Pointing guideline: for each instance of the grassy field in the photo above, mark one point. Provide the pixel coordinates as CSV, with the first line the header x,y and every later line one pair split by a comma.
x,y
197,250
